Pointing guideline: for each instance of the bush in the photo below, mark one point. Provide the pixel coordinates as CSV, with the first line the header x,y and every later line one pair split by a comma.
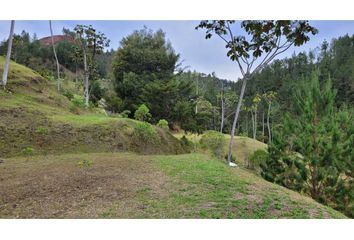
x,y
68,94
78,101
125,113
215,142
162,124
144,133
187,144
142,113
27,151
257,158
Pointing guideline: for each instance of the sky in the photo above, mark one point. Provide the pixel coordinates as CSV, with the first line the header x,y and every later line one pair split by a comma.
x,y
199,54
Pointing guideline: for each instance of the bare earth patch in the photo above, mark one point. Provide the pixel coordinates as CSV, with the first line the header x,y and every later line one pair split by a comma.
x,y
57,187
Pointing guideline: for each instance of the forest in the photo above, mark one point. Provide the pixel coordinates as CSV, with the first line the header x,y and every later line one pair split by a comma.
x,y
298,108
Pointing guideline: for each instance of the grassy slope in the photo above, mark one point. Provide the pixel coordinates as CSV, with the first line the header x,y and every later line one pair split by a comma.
x,y
243,147
31,102
126,185
119,184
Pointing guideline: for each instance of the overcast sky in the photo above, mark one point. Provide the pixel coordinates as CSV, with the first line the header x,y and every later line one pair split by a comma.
x,y
202,55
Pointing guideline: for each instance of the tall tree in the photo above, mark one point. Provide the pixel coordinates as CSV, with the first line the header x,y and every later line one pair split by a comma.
x,y
55,55
8,55
265,41
312,150
143,57
269,98
91,43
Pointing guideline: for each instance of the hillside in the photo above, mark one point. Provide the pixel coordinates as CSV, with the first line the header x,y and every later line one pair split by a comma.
x,y
34,115
81,168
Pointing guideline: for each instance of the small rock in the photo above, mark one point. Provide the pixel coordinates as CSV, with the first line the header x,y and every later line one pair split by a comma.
x,y
2,160
231,164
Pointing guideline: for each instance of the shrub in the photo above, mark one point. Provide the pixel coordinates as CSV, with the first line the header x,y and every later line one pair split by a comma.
x,y
78,101
85,163
42,130
144,133
142,113
27,151
125,113
215,142
163,124
68,94
187,144
256,159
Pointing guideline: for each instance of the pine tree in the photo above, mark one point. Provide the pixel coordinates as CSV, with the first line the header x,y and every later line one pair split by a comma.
x,y
312,151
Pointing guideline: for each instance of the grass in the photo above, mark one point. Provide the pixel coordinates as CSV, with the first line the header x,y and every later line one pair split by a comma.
x,y
242,150
127,185
31,102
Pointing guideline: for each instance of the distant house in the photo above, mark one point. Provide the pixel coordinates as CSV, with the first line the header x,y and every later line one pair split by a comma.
x,y
47,41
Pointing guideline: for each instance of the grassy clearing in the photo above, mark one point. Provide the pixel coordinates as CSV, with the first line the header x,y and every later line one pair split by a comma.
x,y
126,185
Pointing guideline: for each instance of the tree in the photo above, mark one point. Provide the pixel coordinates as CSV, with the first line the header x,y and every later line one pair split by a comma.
x,y
143,57
8,55
254,109
268,39
269,98
310,152
55,55
142,113
227,101
91,43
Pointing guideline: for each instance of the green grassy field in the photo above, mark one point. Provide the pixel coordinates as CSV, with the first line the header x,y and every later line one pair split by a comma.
x,y
126,185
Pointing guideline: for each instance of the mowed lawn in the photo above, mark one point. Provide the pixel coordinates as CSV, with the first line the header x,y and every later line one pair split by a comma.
x,y
127,185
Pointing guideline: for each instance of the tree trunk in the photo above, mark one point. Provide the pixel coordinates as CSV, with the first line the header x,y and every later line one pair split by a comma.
x,y
8,54
268,124
86,80
55,55
222,114
247,124
237,113
197,92
263,124
255,124
252,120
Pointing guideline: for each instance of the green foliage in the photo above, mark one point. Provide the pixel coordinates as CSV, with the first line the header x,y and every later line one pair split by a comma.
x,y
125,114
42,130
144,133
113,103
27,151
85,163
186,142
262,36
68,94
215,142
162,124
310,152
78,101
142,113
144,56
257,158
